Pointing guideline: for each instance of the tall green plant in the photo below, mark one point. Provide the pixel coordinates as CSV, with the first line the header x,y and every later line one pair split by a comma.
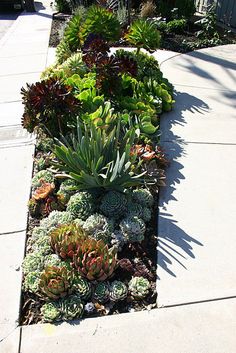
x,y
97,159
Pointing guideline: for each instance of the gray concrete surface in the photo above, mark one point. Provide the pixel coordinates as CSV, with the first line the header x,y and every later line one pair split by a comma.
x,y
6,21
197,217
200,328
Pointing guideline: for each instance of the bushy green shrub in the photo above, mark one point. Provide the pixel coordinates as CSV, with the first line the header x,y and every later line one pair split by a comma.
x,y
186,8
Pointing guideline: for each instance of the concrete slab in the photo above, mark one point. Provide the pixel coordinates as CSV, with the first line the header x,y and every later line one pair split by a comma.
x,y
196,224
11,113
16,175
204,68
13,246
201,328
9,343
34,63
11,85
201,115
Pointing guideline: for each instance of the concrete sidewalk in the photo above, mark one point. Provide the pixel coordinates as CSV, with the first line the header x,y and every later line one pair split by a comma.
x,y
196,261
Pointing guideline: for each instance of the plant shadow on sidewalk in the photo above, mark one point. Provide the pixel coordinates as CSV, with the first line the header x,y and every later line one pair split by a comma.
x,y
175,246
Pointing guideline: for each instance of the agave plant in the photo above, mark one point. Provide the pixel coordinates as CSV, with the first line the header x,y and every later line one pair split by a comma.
x,y
96,159
143,34
94,260
65,239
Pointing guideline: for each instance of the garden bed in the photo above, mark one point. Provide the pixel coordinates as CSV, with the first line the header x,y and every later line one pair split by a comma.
x,y
92,233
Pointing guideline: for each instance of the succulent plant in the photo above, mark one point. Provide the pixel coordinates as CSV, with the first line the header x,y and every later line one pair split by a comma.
x,y
89,308
139,287
126,264
31,282
65,239
55,282
53,260
42,176
34,208
143,197
136,209
42,245
55,219
94,260
66,190
133,229
101,292
118,291
99,227
43,191
33,262
118,240
51,312
81,205
74,65
82,287
63,51
37,233
114,204
71,307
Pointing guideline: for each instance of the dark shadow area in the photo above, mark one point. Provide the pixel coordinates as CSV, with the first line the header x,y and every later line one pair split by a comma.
x,y
214,59
174,244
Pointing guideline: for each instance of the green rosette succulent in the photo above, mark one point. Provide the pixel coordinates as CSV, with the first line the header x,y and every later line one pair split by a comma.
x,y
139,287
81,205
136,209
118,291
55,219
133,229
82,287
94,260
33,262
38,233
66,190
101,292
51,312
114,204
63,51
143,197
74,65
31,282
71,307
65,239
44,175
99,227
55,282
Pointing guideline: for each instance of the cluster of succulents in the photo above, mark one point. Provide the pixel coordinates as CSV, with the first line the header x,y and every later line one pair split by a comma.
x,y
101,110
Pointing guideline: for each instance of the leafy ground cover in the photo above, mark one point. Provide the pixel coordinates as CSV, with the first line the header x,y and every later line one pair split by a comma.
x,y
91,247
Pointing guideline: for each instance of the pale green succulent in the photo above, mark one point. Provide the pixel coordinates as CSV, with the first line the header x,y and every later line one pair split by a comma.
x,y
63,51
56,218
133,229
31,282
74,65
78,222
101,292
143,197
44,175
71,307
114,204
48,72
118,291
51,312
66,190
33,262
53,260
146,214
42,245
82,287
139,287
99,227
37,233
81,205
